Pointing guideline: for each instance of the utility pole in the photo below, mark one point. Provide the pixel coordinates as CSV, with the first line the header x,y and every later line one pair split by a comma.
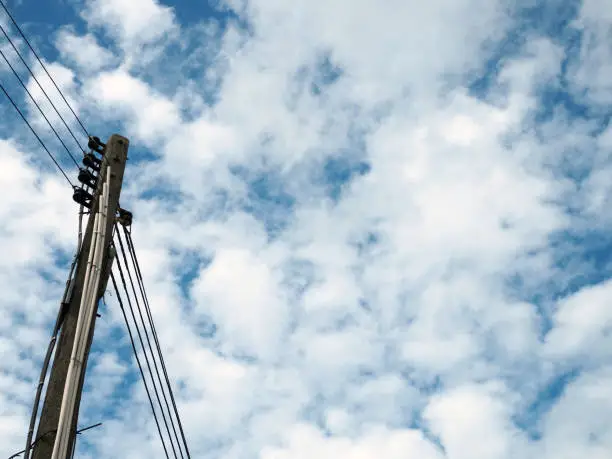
x,y
65,385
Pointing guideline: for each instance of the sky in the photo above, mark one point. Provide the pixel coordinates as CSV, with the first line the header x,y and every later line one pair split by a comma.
x,y
368,229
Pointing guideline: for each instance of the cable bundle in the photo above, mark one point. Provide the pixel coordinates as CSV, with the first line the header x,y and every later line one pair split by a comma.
x,y
36,104
154,361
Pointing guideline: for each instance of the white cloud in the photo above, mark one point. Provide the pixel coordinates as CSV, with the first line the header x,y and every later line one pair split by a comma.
x,y
579,423
33,207
65,79
382,322
582,324
473,422
134,23
151,116
84,51
239,292
592,71
304,441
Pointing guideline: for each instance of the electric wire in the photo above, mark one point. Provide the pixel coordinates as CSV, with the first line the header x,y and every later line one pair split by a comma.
x,y
129,329
136,264
41,88
131,308
80,239
132,249
42,65
58,323
37,105
159,351
78,432
146,333
35,134
153,332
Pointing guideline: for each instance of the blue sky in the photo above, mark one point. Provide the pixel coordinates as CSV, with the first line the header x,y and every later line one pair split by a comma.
x,y
366,231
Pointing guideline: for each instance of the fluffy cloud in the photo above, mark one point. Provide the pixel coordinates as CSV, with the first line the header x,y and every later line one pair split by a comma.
x,y
473,422
132,24
365,230
591,76
582,324
304,441
84,51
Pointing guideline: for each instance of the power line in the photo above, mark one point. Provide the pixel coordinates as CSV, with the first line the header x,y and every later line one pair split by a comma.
x,y
78,432
36,104
132,250
41,88
35,134
148,339
146,357
58,323
129,329
42,64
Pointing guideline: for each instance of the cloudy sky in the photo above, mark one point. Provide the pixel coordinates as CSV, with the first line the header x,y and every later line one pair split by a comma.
x,y
368,229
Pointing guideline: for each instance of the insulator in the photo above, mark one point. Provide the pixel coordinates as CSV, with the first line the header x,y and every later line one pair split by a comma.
x,y
82,197
93,158
125,217
88,178
96,144
91,161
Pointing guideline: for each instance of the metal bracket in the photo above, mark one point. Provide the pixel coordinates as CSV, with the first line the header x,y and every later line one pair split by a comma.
x,y
125,217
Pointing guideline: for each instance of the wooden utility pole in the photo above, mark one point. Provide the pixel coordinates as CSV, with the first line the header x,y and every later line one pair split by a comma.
x,y
115,156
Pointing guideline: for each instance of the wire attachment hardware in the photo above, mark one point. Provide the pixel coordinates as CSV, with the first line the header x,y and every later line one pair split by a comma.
x,y
96,144
87,178
82,197
125,217
92,162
